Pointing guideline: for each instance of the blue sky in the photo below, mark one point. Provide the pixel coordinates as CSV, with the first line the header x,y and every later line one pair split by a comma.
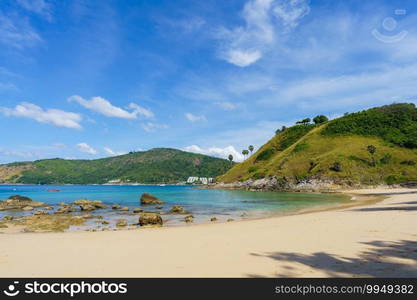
x,y
89,79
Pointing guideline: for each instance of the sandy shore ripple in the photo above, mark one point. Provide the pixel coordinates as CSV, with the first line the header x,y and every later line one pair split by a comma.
x,y
375,240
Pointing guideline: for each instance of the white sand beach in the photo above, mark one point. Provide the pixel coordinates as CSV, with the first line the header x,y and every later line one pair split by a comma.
x,y
375,240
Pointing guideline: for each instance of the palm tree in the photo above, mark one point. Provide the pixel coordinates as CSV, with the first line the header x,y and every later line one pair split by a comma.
x,y
251,149
230,158
245,152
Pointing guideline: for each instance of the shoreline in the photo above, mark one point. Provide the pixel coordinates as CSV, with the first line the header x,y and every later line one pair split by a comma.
x,y
360,200
373,240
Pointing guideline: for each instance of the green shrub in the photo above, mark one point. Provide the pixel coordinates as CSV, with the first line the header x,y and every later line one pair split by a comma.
x,y
395,179
408,162
253,169
320,119
258,175
337,167
396,123
265,154
293,134
300,147
386,159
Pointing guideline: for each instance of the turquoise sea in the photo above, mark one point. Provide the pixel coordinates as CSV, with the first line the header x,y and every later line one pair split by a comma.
x,y
201,203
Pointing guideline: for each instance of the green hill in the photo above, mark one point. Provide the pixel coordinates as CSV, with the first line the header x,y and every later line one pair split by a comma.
x,y
338,150
153,166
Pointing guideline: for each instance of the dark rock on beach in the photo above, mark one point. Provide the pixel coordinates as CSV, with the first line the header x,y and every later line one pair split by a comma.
x,y
148,199
178,209
121,223
189,219
89,205
150,219
18,202
64,210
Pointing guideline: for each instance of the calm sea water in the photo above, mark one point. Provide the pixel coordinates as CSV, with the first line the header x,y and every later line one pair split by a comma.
x,y
202,203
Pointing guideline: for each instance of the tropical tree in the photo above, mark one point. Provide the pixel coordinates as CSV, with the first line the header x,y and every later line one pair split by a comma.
x,y
320,119
304,121
283,128
245,152
372,149
251,149
230,158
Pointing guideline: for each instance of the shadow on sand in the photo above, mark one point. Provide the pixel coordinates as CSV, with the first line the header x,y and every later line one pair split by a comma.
x,y
382,259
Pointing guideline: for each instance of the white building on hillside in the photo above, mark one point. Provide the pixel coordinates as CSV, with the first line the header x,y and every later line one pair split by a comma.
x,y
202,180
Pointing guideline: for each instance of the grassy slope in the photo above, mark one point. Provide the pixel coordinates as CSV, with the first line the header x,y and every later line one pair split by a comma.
x,y
314,154
153,166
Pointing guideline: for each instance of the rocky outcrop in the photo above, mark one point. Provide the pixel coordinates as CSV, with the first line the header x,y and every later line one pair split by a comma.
x,y
121,223
64,210
178,209
284,184
18,202
150,219
148,199
116,206
89,205
189,219
137,210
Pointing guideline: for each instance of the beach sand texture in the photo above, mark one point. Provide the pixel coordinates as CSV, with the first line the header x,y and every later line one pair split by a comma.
x,y
376,240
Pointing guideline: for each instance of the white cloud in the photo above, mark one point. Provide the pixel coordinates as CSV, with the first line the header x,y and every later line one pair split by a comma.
x,y
194,118
216,151
139,110
226,105
40,7
56,117
149,126
25,155
110,152
242,58
104,107
244,45
370,88
16,32
86,148
291,12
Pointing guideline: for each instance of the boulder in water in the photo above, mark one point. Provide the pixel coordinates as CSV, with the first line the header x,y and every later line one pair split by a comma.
x,y
121,223
189,219
178,209
18,202
148,199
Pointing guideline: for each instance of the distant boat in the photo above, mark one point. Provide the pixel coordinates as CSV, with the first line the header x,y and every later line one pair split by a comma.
x,y
53,190
162,184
